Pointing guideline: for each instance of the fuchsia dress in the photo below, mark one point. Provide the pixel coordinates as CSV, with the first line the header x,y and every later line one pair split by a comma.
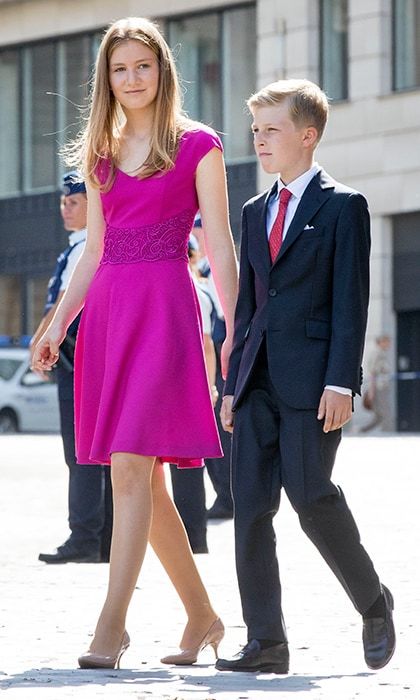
x,y
140,378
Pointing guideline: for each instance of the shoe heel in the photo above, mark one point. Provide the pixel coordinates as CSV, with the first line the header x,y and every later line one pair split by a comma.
x,y
276,668
216,641
117,665
215,646
388,595
124,647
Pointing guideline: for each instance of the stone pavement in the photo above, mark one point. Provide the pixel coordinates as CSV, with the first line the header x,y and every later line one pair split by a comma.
x,y
48,612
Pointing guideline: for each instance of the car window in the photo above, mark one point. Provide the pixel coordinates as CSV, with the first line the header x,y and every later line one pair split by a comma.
x,y
8,367
32,379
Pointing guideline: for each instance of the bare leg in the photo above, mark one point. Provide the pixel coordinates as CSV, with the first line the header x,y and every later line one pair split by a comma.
x,y
170,542
131,482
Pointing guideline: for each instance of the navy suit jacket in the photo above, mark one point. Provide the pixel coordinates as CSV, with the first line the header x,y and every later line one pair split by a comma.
x,y
311,304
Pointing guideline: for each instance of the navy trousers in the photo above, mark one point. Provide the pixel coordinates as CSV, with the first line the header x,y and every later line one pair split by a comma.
x,y
90,491
274,447
190,500
219,469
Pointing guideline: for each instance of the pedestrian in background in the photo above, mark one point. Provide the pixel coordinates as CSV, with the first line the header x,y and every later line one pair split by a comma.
x,y
378,393
90,491
148,169
218,469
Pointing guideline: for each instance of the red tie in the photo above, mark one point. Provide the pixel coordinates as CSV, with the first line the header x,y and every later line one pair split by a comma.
x,y
276,233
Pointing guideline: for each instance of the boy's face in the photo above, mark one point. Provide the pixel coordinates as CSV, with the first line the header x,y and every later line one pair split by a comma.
x,y
279,144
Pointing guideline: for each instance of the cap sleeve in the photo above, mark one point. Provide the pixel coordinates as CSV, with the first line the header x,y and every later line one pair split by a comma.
x,y
199,142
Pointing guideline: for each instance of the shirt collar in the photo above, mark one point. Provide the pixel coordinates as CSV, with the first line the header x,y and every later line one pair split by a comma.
x,y
77,236
298,186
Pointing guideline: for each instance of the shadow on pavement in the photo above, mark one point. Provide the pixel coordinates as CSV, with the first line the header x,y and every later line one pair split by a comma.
x,y
218,682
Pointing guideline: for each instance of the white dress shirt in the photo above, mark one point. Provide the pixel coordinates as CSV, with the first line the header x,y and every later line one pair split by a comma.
x,y
74,237
205,307
297,188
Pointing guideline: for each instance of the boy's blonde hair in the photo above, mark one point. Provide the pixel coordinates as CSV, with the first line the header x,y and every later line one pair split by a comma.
x,y
100,137
308,104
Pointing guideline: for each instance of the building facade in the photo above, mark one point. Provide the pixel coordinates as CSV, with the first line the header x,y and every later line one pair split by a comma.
x,y
364,53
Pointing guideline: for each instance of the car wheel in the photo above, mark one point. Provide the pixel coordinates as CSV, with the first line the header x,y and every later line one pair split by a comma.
x,y
8,421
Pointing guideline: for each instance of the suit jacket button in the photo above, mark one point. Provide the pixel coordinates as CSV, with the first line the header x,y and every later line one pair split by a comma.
x,y
272,292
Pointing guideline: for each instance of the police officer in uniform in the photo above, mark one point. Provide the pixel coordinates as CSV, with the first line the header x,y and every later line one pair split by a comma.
x,y
90,494
219,468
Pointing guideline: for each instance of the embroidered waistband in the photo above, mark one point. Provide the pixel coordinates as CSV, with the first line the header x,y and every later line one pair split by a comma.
x,y
166,240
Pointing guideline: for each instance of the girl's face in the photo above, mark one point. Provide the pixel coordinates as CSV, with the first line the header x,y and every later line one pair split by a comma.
x,y
134,75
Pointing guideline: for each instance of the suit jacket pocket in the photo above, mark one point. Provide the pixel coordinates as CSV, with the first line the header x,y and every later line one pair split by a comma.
x,y
315,328
312,231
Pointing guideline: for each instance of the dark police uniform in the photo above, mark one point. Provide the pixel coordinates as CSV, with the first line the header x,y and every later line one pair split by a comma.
x,y
90,493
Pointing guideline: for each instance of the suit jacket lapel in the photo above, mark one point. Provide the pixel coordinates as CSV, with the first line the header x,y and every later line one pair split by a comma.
x,y
316,193
258,234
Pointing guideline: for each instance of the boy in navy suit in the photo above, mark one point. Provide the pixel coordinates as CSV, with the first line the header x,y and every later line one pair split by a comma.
x,y
295,365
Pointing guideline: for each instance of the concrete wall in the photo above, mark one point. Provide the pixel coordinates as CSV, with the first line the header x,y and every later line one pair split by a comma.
x,y
37,19
373,139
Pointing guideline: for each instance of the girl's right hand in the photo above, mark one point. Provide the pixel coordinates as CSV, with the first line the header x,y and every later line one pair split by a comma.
x,y
46,351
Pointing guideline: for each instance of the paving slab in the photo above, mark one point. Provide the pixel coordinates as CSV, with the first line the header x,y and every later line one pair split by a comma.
x,y
47,613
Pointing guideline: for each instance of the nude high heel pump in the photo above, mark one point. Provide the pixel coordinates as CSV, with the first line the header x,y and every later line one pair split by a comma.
x,y
92,660
186,657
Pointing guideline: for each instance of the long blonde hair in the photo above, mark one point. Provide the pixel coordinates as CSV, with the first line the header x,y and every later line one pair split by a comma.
x,y
99,139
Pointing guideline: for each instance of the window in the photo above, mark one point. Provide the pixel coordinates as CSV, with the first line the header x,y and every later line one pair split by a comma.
x,y
36,293
216,57
196,46
39,116
9,121
11,304
42,87
406,44
8,368
239,41
333,48
75,65
30,379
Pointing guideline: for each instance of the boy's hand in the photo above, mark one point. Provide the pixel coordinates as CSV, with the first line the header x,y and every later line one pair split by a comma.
x,y
335,408
226,414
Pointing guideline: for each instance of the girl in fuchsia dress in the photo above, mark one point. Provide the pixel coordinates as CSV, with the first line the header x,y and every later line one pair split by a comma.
x,y
141,390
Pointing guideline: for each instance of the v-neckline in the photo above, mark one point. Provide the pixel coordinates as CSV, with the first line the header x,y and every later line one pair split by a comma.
x,y
132,177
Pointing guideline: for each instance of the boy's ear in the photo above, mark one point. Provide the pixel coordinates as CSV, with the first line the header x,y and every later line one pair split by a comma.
x,y
310,137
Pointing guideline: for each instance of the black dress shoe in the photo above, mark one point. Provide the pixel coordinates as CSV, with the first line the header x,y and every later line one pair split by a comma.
x,y
379,635
252,658
67,553
199,549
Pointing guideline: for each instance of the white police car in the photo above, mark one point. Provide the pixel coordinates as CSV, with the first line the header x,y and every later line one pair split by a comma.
x,y
27,403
